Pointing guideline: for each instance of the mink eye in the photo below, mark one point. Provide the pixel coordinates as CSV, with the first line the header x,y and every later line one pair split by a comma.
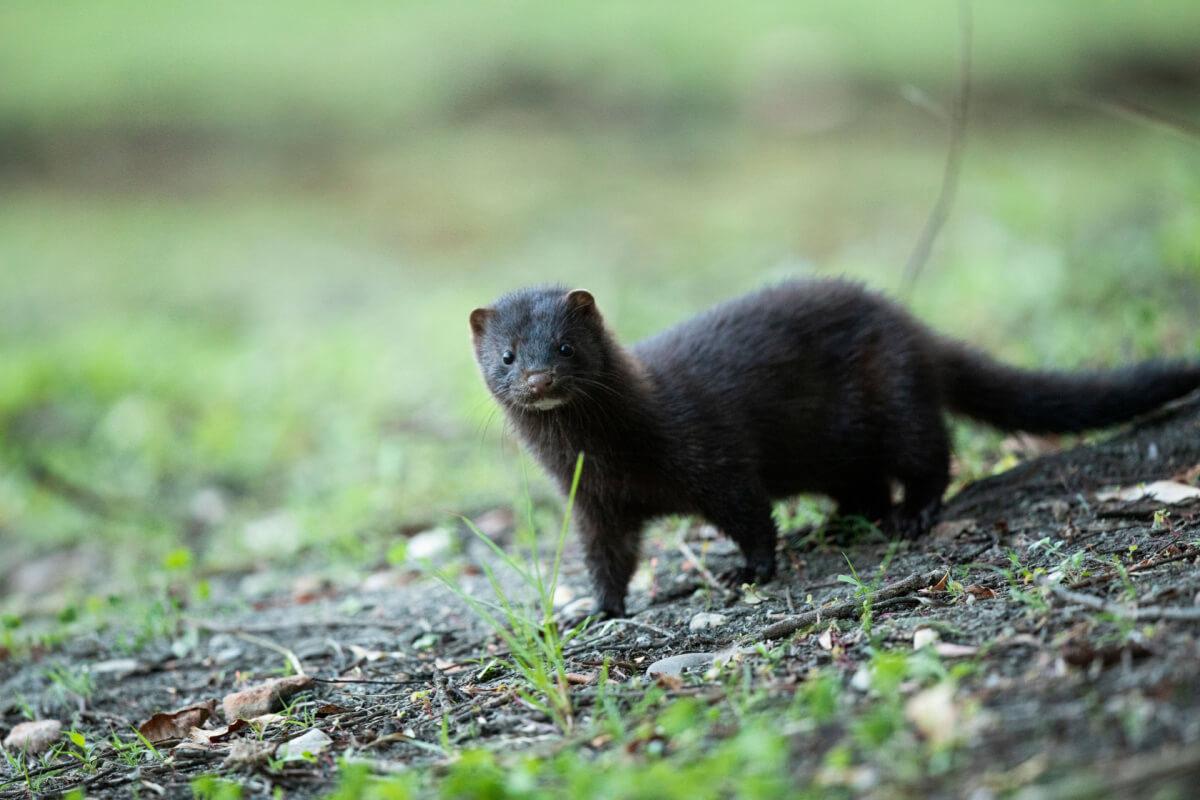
x,y
565,350
508,357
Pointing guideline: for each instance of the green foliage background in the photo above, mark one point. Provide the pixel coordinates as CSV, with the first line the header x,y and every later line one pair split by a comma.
x,y
238,243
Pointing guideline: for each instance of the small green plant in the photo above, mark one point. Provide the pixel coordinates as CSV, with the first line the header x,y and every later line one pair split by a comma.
x,y
1130,590
531,633
209,787
85,753
1019,579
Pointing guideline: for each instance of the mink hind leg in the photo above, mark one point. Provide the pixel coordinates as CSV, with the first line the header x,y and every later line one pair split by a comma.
x,y
922,466
866,496
746,518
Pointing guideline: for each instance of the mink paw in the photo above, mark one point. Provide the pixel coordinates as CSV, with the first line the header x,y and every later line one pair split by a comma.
x,y
749,573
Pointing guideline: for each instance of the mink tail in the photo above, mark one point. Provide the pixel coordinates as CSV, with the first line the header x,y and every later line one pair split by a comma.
x,y
1055,402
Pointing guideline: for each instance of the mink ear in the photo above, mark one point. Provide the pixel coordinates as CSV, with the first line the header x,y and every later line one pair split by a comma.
x,y
479,320
581,300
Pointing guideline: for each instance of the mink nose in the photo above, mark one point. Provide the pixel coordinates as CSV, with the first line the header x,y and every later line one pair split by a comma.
x,y
538,382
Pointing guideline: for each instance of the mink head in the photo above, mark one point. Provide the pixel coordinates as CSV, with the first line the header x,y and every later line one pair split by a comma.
x,y
540,348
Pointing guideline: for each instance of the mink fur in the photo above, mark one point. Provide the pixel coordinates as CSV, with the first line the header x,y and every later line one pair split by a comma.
x,y
814,386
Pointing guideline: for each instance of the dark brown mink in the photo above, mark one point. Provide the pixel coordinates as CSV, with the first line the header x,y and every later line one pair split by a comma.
x,y
811,386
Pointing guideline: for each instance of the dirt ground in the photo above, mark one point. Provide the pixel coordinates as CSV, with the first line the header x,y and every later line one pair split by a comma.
x,y
1087,680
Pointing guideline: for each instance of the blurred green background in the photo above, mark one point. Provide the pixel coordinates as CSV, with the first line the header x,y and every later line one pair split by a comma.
x,y
239,242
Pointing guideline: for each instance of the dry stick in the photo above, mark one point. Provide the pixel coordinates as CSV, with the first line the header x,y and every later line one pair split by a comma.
x,y
848,609
1126,109
278,648
271,627
690,555
604,629
1123,611
958,128
1157,562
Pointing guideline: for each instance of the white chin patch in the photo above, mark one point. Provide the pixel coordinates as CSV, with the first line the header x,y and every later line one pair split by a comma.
x,y
548,403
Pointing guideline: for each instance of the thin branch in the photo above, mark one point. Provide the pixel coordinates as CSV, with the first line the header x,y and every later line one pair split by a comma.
x,y
1104,577
958,128
709,579
848,609
1121,610
278,648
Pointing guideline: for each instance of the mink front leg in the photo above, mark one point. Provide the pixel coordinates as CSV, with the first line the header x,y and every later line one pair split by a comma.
x,y
611,545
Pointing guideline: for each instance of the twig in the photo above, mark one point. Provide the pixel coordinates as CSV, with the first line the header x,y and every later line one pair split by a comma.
x,y
1126,109
690,555
850,608
1105,577
278,648
272,627
632,623
958,127
1120,610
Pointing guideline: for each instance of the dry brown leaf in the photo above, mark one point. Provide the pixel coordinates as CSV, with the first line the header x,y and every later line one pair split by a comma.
x,y
579,677
672,682
980,592
263,698
940,586
177,724
217,734
1188,475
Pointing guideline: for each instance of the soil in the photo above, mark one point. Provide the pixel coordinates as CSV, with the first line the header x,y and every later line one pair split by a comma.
x,y
1087,678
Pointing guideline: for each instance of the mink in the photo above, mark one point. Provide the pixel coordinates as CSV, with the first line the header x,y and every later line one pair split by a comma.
x,y
814,386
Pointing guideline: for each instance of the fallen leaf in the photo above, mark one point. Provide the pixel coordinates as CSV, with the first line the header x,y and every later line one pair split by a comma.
x,y
330,709
177,724
578,677
263,698
670,681
306,744
33,737
1188,475
825,640
215,735
1168,492
940,586
981,592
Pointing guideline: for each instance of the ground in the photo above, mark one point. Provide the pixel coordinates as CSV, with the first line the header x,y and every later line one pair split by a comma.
x,y
237,397
1042,643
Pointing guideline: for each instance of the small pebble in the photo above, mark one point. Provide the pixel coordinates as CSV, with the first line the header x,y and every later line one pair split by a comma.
x,y
33,737
706,619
